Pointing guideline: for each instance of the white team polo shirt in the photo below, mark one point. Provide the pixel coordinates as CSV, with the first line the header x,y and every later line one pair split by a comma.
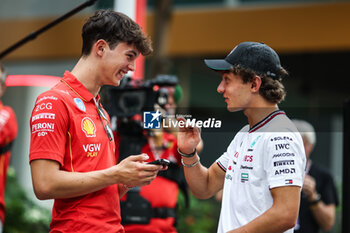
x,y
269,155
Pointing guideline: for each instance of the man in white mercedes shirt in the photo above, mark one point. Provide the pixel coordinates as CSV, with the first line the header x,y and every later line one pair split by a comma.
x,y
262,171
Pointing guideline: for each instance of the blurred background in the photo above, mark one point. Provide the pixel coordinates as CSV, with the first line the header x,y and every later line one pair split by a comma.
x,y
312,38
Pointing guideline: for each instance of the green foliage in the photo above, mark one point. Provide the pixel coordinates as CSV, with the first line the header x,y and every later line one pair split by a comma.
x,y
22,214
202,216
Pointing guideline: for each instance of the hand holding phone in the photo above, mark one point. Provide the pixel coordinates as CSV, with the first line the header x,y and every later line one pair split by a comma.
x,y
163,162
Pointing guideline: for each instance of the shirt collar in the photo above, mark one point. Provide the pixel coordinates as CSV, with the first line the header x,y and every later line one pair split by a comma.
x,y
266,120
76,86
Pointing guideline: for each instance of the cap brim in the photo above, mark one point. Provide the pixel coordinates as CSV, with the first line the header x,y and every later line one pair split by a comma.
x,y
218,64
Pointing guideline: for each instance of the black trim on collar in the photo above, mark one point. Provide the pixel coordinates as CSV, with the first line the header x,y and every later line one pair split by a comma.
x,y
266,120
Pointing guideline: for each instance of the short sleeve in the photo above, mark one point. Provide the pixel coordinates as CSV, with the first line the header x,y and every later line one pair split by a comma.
x,y
284,159
49,128
223,160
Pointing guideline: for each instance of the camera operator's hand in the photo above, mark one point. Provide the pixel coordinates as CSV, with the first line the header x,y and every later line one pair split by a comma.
x,y
133,171
188,138
309,187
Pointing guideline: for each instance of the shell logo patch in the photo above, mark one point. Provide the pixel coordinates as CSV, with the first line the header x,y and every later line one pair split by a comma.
x,y
88,127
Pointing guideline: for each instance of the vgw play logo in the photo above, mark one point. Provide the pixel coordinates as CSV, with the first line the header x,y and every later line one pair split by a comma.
x,y
152,120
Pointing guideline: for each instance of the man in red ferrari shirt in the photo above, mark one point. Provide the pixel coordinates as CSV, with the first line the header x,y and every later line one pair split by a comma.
x,y
8,133
72,152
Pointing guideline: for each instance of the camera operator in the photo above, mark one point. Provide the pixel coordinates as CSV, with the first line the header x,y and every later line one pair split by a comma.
x,y
152,208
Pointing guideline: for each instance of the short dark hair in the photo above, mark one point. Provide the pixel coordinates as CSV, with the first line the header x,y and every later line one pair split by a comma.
x,y
114,27
271,89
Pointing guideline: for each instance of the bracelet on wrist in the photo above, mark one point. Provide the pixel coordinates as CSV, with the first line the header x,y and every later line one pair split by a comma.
x,y
187,155
317,200
190,165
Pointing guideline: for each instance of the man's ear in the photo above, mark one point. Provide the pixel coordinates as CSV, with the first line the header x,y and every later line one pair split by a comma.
x,y
256,83
99,47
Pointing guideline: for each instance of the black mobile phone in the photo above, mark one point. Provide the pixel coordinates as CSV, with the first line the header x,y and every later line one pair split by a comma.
x,y
163,162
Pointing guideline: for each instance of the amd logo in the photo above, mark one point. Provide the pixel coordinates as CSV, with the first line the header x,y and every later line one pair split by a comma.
x,y
285,171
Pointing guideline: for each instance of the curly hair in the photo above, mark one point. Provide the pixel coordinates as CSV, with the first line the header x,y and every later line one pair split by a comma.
x,y
271,89
114,27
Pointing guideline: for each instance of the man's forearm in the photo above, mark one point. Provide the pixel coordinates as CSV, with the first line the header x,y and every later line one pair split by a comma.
x,y
196,178
71,184
269,222
202,181
280,217
51,182
324,215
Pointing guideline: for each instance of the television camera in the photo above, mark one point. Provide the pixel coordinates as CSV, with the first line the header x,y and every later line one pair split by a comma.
x,y
133,97
128,101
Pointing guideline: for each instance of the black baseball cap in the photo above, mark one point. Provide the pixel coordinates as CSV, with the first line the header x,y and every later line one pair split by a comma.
x,y
254,56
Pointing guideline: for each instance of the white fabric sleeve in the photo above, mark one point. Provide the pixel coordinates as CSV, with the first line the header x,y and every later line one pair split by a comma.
x,y
284,159
223,160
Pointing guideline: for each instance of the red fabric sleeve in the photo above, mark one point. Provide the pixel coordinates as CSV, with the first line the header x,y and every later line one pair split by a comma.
x,y
49,126
8,125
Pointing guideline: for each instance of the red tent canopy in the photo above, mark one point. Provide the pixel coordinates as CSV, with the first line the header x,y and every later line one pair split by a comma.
x,y
31,80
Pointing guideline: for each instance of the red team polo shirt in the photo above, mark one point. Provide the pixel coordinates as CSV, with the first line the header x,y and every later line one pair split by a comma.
x,y
8,132
66,127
